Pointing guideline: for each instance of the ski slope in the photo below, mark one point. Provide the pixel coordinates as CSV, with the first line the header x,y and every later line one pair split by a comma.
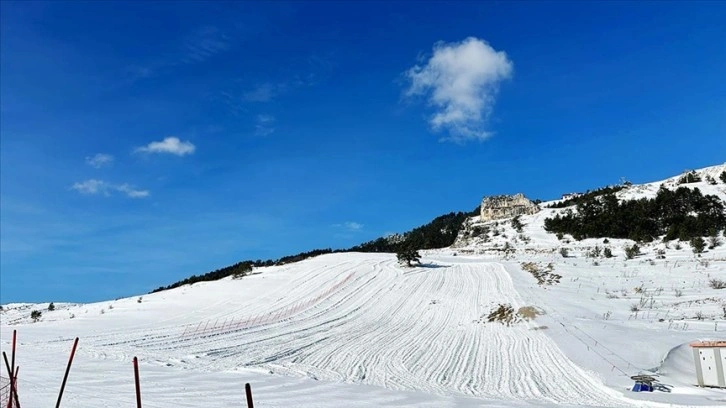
x,y
401,329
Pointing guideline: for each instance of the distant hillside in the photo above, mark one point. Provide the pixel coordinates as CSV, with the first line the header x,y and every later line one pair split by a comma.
x,y
439,233
681,214
688,205
242,268
680,210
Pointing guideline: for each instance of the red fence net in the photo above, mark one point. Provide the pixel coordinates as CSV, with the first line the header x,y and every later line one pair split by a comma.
x,y
217,327
5,392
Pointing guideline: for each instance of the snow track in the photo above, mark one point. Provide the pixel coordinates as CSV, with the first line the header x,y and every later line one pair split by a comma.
x,y
403,329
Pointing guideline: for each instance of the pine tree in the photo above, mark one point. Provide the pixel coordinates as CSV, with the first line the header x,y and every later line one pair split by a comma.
x,y
408,255
698,245
608,252
690,177
517,224
632,252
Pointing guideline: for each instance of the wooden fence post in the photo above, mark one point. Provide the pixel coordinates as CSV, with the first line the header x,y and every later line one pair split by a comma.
x,y
12,368
68,369
248,391
136,380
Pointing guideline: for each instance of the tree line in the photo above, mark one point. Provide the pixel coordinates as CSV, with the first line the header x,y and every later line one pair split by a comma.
x,y
675,214
589,195
439,233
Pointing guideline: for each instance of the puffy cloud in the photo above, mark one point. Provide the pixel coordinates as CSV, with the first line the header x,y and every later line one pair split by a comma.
x,y
91,186
461,80
170,145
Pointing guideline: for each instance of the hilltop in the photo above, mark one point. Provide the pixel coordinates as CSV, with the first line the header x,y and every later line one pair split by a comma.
x,y
447,229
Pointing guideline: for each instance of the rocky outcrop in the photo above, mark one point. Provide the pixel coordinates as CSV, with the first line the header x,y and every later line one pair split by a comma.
x,y
506,206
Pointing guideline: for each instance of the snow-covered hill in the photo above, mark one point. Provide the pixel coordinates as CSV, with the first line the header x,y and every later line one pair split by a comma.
x,y
480,241
358,330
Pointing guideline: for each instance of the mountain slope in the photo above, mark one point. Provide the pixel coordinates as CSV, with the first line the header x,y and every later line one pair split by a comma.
x,y
478,234
357,329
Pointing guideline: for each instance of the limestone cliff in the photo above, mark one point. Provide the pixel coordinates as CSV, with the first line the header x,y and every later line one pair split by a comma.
x,y
506,206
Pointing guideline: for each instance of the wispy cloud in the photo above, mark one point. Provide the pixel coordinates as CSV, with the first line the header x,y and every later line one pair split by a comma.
x,y
204,43
244,92
265,125
139,72
170,145
461,81
196,47
99,160
233,102
132,192
263,92
311,70
269,91
350,226
95,187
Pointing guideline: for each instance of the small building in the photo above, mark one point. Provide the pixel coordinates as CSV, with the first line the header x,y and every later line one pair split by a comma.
x,y
710,359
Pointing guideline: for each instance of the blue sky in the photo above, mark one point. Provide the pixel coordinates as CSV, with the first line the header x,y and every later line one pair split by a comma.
x,y
141,143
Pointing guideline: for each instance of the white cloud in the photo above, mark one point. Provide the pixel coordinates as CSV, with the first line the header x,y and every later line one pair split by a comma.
x,y
461,81
350,226
99,160
171,145
353,226
265,118
131,191
93,187
265,125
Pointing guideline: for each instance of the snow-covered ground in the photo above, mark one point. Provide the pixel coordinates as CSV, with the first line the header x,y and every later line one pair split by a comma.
x,y
358,330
